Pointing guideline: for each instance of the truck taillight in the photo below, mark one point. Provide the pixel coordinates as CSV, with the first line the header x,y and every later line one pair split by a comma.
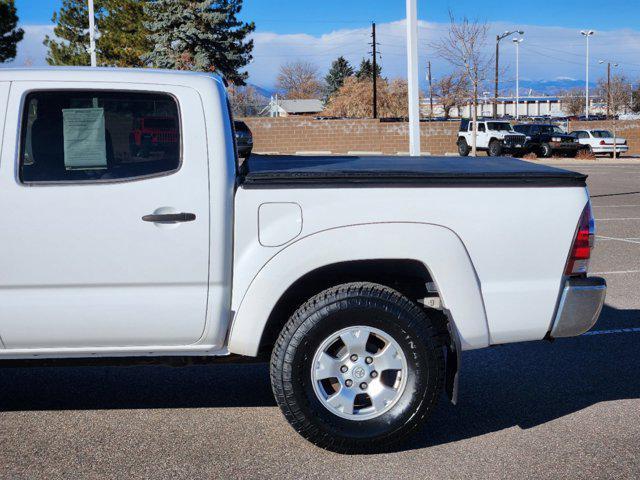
x,y
578,262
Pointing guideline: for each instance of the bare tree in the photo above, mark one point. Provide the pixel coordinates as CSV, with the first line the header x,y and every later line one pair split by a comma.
x,y
353,99
452,91
464,47
299,80
246,101
617,95
573,101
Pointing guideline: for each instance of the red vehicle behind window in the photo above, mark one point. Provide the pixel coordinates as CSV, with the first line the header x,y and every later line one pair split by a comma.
x,y
153,134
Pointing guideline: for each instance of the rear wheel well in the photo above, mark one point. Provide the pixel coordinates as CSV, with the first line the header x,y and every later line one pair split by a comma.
x,y
409,277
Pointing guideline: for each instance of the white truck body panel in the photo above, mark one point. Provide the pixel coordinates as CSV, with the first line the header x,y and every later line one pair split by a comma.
x,y
97,281
108,283
518,271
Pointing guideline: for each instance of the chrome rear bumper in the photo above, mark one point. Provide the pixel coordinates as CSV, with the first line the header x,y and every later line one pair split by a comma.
x,y
580,306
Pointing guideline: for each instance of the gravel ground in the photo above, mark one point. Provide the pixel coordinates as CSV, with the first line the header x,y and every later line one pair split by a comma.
x,y
568,409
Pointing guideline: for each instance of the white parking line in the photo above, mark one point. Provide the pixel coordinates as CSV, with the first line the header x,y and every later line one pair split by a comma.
x,y
626,240
613,330
616,219
619,272
616,206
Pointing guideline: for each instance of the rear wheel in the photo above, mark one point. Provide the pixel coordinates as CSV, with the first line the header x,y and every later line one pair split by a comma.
x,y
357,368
495,148
463,147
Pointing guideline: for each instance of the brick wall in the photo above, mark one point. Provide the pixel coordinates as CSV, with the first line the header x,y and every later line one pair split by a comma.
x,y
292,135
303,134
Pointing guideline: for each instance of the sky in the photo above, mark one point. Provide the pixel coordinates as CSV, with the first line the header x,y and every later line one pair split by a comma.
x,y
319,31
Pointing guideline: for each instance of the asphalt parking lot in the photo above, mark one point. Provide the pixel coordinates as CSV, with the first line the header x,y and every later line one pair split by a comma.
x,y
568,409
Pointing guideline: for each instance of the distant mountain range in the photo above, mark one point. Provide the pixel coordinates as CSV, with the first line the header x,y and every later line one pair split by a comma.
x,y
537,87
265,92
551,87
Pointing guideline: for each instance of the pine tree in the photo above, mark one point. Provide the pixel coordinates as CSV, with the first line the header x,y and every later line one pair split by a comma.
x,y
72,28
123,39
339,71
9,34
202,35
366,69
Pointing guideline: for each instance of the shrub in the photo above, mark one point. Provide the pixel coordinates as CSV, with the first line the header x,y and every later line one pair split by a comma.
x,y
585,155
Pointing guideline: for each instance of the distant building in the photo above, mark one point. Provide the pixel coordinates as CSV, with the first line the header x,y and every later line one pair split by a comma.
x,y
528,106
284,108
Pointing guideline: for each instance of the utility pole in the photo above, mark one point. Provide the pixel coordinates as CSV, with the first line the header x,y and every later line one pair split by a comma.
x,y
412,77
375,71
497,86
609,65
430,90
92,35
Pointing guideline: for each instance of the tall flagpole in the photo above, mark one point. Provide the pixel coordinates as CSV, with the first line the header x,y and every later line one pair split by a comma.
x,y
412,77
92,35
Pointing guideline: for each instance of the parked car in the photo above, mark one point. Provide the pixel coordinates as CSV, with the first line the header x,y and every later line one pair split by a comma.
x,y
601,141
244,139
362,279
493,136
152,134
547,140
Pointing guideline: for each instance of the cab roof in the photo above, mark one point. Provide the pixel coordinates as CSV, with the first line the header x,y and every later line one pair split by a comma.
x,y
111,75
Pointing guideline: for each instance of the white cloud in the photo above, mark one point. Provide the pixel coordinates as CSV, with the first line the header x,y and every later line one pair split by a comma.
x,y
31,51
547,53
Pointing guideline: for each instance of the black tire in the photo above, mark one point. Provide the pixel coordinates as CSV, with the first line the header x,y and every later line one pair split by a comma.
x,y
546,151
495,148
463,148
357,304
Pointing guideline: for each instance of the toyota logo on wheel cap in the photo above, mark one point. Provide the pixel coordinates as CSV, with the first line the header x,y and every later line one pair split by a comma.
x,y
359,372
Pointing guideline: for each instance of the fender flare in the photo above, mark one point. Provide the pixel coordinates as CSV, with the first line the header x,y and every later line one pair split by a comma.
x,y
438,248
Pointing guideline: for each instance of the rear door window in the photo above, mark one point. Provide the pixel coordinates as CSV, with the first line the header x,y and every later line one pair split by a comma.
x,y
96,136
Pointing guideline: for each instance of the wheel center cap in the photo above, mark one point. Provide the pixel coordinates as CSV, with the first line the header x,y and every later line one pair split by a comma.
x,y
358,372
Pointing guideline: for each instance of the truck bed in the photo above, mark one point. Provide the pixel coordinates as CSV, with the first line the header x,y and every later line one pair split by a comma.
x,y
263,171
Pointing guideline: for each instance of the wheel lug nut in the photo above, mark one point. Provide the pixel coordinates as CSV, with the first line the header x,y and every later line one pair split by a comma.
x,y
369,360
348,383
374,374
354,358
343,369
363,385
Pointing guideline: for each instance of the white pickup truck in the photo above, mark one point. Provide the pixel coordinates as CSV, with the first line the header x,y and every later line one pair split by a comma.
x,y
130,234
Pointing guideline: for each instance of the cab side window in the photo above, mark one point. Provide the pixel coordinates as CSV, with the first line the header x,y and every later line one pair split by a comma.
x,y
85,136
482,127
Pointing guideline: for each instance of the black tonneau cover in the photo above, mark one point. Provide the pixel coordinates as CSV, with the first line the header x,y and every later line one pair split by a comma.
x,y
260,171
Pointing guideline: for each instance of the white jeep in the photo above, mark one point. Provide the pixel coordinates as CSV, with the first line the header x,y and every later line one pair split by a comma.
x,y
494,137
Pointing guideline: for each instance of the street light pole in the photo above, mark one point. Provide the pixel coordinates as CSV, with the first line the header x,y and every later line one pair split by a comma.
x,y
497,86
412,77
517,42
587,34
92,35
